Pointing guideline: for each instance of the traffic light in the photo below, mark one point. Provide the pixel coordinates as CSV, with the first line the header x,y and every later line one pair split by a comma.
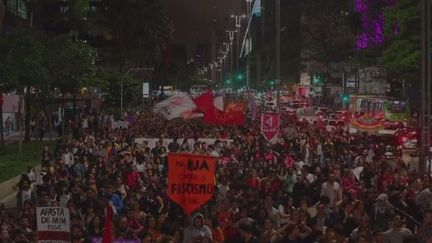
x,y
239,76
317,79
271,82
228,81
345,98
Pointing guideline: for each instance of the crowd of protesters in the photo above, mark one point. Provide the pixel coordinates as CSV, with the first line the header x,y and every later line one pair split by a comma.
x,y
310,185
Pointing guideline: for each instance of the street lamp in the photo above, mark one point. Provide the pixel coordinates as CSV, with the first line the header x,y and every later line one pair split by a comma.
x,y
238,19
121,83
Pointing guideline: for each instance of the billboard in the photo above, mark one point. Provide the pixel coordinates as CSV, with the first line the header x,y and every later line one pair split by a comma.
x,y
146,90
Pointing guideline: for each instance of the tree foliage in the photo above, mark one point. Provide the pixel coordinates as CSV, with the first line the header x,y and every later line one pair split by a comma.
x,y
327,34
131,89
402,51
134,32
23,62
23,66
71,64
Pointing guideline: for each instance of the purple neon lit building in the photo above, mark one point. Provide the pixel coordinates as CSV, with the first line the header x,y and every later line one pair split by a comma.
x,y
371,21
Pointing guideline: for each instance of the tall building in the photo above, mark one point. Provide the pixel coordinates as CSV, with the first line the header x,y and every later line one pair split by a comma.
x,y
13,13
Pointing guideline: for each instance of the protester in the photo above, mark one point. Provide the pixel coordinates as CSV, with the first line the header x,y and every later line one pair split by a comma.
x,y
309,185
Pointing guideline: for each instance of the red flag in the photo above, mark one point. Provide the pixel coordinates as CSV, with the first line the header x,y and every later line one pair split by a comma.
x,y
108,227
214,116
205,101
235,106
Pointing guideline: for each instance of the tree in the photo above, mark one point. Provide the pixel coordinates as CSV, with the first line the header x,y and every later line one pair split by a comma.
x,y
327,35
131,86
183,76
60,17
23,65
71,65
135,32
402,51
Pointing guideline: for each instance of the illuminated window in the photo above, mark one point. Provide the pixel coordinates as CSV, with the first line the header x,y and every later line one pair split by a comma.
x,y
17,8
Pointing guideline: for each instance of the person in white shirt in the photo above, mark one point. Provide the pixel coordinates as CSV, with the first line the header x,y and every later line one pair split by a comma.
x,y
424,199
68,157
397,233
223,187
212,151
140,167
332,189
31,175
85,123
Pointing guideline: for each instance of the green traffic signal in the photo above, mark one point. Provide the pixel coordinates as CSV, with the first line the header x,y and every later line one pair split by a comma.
x,y
228,81
240,77
345,98
317,79
272,82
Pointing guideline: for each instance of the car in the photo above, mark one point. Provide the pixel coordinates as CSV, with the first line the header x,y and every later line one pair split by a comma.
x,y
392,125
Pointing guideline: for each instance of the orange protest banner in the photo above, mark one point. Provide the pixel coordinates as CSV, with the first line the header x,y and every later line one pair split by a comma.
x,y
191,180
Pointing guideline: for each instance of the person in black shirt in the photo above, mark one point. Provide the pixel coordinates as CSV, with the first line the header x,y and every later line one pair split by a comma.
x,y
174,146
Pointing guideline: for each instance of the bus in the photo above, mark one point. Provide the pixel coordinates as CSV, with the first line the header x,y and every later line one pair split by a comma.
x,y
397,111
383,107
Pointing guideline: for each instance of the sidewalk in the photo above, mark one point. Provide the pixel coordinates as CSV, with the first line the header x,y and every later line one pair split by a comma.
x,y
7,192
16,136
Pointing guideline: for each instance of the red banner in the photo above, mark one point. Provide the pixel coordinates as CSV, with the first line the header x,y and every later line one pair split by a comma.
x,y
191,180
270,123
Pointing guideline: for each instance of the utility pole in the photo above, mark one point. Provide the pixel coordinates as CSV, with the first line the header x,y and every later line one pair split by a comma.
x,y
426,87
278,64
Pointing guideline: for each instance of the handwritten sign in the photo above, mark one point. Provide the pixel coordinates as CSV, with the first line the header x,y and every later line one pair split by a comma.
x,y
191,180
53,224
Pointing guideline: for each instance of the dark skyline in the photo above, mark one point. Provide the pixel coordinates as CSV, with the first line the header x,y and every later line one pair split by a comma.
x,y
193,20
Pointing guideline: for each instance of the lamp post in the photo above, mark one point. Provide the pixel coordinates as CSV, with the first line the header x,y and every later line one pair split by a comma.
x,y
238,19
231,40
121,83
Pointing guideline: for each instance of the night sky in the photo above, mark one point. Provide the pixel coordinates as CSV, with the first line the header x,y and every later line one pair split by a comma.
x,y
193,19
